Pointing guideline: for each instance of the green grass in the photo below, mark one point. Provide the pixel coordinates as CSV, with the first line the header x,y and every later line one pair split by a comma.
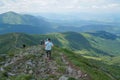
x,y
86,45
94,68
111,46
22,77
108,45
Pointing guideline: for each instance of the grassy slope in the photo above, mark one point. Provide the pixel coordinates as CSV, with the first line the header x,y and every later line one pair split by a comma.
x,y
107,45
10,42
94,68
73,41
70,40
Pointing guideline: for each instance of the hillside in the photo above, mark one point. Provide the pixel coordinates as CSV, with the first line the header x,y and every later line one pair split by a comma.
x,y
70,40
30,63
103,43
13,41
106,42
95,54
24,19
14,22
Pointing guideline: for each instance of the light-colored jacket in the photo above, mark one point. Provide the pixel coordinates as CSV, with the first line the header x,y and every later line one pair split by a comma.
x,y
48,45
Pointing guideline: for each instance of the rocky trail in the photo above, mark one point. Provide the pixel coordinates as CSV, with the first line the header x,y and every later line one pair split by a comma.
x,y
32,61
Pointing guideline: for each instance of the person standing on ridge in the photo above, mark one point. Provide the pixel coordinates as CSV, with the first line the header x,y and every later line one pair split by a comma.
x,y
48,48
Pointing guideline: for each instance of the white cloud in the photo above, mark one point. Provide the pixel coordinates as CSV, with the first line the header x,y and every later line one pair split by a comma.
x,y
36,6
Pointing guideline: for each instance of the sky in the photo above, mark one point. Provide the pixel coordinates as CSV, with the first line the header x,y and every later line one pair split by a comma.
x,y
60,6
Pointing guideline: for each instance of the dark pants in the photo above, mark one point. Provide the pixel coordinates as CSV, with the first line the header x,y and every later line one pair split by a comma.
x,y
48,53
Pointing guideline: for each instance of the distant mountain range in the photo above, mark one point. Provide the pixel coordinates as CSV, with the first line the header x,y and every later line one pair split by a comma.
x,y
14,22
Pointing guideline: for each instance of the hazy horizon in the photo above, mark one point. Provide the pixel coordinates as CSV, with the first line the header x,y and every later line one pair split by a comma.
x,y
86,9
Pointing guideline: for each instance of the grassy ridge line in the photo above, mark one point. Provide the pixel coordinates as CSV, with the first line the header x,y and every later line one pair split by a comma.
x,y
91,67
110,46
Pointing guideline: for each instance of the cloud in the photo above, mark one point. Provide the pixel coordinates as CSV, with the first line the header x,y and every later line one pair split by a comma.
x,y
37,6
1,4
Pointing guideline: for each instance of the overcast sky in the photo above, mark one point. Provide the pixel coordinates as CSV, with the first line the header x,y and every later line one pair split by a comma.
x,y
60,6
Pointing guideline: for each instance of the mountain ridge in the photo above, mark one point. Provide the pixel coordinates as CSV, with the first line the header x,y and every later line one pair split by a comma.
x,y
30,63
34,58
90,61
70,40
14,22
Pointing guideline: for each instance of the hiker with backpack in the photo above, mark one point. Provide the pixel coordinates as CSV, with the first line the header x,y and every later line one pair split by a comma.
x,y
42,42
48,48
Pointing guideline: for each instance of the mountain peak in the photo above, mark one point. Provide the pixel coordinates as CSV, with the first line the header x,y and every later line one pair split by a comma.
x,y
10,12
11,18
